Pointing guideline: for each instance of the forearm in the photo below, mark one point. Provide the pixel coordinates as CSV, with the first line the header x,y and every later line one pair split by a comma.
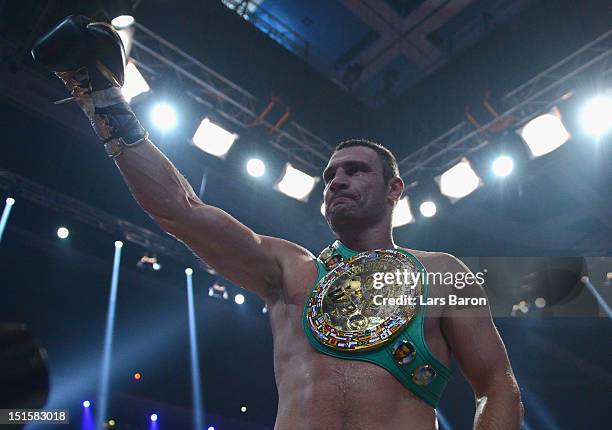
x,y
156,184
500,409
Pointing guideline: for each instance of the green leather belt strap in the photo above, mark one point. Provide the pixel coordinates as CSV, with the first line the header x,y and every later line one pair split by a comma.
x,y
422,373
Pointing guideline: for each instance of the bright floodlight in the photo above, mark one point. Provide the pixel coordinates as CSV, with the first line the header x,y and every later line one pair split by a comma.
x,y
213,139
189,271
428,209
256,167
459,181
86,404
163,116
62,232
153,417
295,183
211,428
239,298
10,201
122,21
402,214
544,134
156,266
502,166
118,244
596,116
135,83
243,409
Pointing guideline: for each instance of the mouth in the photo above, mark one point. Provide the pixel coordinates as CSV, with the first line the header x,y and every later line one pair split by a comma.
x,y
340,199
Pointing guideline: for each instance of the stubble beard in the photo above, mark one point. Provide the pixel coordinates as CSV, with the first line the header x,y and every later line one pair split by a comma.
x,y
352,218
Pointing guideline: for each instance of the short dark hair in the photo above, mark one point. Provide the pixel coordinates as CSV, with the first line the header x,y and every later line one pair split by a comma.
x,y
387,159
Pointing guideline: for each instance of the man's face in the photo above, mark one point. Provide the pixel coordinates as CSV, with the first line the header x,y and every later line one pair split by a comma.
x,y
355,191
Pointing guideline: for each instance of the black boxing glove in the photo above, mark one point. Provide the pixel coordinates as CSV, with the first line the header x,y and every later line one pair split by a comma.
x,y
89,58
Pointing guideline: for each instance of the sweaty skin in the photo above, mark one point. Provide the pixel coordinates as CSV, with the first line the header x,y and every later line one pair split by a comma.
x,y
317,391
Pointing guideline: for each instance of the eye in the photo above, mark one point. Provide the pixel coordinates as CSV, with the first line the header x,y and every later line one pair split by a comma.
x,y
353,170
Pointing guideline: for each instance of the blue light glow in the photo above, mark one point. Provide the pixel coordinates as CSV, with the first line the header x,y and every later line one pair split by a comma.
x,y
108,337
195,365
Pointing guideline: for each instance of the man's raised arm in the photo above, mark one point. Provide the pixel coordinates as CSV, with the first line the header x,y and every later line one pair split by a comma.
x,y
89,59
231,248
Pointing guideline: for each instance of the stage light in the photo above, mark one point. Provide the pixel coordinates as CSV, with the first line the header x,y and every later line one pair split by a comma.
x,y
295,183
459,181
428,209
111,423
86,404
243,409
137,376
256,167
540,302
264,310
148,261
218,291
122,21
10,201
62,232
402,214
545,133
163,116
135,83
153,417
213,139
239,298
124,24
502,166
118,244
596,116
211,428
189,271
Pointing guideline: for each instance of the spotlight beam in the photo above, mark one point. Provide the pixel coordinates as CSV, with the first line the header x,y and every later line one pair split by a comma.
x,y
108,338
195,364
5,215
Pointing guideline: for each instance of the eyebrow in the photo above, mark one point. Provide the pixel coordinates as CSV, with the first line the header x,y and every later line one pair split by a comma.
x,y
350,163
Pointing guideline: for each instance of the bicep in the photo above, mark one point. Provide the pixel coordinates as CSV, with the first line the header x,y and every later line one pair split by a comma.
x,y
478,349
231,248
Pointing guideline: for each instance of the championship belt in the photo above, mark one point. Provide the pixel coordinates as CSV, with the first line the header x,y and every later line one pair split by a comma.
x,y
354,312
345,310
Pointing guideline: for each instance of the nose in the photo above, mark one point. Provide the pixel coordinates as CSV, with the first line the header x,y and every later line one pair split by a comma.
x,y
340,181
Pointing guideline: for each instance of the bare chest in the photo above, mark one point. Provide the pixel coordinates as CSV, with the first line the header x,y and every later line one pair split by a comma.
x,y
312,384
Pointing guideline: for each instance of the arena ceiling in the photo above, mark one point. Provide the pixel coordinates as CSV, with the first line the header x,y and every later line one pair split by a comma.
x,y
376,49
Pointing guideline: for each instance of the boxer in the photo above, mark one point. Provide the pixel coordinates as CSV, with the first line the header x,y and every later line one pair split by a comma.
x,y
340,361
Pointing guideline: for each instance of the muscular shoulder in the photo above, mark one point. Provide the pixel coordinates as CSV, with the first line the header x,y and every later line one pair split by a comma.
x,y
295,261
287,253
438,261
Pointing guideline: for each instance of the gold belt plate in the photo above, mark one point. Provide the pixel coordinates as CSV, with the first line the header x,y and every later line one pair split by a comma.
x,y
341,310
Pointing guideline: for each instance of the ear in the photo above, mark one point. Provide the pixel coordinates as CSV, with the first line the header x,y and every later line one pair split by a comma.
x,y
395,188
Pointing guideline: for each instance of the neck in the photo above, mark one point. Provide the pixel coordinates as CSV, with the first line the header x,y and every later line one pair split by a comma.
x,y
375,237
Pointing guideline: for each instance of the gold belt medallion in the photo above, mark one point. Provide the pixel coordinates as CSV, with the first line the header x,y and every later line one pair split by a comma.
x,y
343,311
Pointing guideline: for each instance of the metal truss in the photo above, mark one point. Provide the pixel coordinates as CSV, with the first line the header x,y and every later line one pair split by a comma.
x,y
160,58
89,215
538,95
